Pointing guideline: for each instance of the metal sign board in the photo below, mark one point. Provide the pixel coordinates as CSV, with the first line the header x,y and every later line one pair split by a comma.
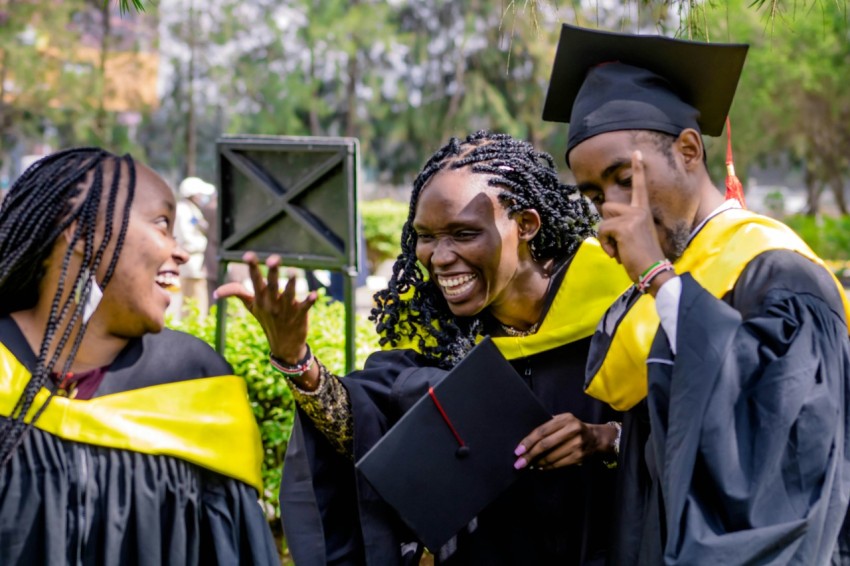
x,y
295,197
292,196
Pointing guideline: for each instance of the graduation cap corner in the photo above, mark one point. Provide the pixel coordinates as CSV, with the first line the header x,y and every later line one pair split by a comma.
x,y
703,75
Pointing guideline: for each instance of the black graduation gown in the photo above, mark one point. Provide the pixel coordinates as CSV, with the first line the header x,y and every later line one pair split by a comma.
x,y
332,516
746,462
66,502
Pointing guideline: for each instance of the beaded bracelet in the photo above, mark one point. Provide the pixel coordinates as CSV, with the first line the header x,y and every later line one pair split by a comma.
x,y
616,444
653,271
611,463
300,368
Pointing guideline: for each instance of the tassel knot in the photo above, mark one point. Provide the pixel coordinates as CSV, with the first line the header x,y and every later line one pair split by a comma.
x,y
734,188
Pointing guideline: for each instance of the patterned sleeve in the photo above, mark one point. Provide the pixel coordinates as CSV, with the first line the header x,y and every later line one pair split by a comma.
x,y
330,410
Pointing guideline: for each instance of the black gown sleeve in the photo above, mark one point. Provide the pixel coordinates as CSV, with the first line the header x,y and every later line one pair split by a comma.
x,y
64,502
330,514
749,419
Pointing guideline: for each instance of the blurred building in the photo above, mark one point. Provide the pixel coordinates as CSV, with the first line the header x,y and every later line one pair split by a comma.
x,y
67,76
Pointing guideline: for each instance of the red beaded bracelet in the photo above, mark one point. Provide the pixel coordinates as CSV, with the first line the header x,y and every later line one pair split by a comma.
x,y
299,369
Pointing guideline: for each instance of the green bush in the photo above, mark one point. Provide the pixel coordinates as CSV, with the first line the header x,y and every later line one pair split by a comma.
x,y
247,351
828,236
382,221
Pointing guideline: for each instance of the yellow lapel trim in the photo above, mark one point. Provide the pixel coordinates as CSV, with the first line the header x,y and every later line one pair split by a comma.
x,y
592,282
205,421
715,258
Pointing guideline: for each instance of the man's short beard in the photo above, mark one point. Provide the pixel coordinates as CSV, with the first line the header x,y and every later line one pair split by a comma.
x,y
675,240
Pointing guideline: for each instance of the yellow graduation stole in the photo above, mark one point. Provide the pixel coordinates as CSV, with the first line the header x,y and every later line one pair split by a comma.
x,y
205,421
592,282
715,258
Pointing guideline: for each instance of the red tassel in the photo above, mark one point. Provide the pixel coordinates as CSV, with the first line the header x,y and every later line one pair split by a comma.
x,y
734,188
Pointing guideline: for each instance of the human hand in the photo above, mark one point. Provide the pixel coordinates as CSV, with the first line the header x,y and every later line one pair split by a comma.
x,y
282,317
628,232
563,441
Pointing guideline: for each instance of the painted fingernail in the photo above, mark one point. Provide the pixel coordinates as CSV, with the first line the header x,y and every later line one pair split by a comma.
x,y
520,450
215,295
639,155
520,464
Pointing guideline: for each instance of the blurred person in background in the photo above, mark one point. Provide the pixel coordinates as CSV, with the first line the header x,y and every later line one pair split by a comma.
x,y
191,231
209,209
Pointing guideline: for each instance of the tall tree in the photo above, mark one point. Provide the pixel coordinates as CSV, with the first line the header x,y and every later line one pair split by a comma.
x,y
36,78
792,99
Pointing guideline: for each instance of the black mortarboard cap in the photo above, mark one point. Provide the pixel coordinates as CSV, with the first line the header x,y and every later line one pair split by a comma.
x,y
604,82
439,472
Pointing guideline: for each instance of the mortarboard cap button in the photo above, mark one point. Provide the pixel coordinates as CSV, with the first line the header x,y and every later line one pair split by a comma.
x,y
462,451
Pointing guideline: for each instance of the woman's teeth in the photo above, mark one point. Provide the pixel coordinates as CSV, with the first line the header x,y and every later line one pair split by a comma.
x,y
168,281
453,286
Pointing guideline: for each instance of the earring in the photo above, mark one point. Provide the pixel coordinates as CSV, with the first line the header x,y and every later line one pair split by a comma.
x,y
93,294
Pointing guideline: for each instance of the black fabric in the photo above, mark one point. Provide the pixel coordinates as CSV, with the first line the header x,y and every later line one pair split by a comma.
x,y
558,517
615,96
64,502
604,82
603,336
69,503
437,486
154,359
747,460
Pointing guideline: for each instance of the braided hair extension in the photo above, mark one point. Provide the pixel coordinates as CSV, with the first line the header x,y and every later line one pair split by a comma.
x,y
412,307
59,190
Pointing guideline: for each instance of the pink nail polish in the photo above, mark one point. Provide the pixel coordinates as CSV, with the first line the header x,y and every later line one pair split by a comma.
x,y
520,450
520,464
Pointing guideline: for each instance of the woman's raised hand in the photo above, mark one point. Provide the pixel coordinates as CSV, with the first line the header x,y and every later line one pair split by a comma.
x,y
282,316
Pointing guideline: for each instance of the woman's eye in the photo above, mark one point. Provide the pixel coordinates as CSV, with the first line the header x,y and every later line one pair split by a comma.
x,y
625,182
163,222
465,235
424,237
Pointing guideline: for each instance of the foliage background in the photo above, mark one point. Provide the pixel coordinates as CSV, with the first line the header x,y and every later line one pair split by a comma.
x,y
247,351
404,76
382,221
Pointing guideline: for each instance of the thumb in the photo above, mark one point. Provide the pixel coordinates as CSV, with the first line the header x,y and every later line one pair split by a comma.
x,y
237,290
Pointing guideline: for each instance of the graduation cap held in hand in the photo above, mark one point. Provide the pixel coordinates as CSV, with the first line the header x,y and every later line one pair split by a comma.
x,y
452,453
604,82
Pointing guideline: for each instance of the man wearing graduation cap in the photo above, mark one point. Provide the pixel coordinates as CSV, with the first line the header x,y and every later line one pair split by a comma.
x,y
730,353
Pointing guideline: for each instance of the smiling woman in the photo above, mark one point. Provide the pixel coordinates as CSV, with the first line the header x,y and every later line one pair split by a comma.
x,y
494,244
117,435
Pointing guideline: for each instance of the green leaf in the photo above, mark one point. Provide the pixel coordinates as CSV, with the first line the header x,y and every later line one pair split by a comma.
x,y
124,5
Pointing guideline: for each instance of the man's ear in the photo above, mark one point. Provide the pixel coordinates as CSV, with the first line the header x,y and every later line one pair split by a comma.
x,y
529,222
689,144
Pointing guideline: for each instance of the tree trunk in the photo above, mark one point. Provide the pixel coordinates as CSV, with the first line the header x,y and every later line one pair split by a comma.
x,y
457,95
191,149
813,191
313,116
100,125
836,183
351,96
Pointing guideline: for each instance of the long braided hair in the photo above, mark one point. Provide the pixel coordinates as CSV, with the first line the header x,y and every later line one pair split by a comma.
x,y
61,189
412,308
